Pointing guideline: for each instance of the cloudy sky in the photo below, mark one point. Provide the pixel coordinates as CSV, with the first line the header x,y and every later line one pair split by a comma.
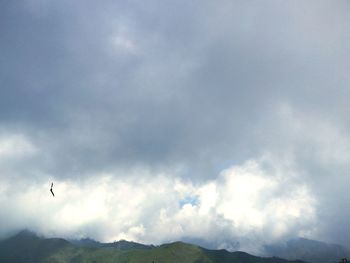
x,y
224,123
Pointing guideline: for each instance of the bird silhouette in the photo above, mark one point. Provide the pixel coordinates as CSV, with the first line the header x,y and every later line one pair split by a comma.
x,y
51,190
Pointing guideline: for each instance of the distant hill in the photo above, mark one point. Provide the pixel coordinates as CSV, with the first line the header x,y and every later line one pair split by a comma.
x,y
308,250
26,247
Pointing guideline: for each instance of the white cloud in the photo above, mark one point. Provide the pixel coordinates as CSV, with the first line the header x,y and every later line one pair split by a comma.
x,y
255,200
243,202
15,146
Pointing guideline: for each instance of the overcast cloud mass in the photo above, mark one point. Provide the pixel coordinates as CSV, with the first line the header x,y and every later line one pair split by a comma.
x,y
224,123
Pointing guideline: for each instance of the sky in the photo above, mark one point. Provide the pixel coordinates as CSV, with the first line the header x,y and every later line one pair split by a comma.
x,y
223,123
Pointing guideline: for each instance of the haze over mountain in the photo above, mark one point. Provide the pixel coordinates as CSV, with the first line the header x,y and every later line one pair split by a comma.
x,y
308,250
223,122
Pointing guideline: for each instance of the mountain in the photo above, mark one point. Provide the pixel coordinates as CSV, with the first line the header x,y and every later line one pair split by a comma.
x,y
308,250
26,247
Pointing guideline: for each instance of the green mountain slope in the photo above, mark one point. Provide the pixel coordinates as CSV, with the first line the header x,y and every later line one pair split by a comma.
x,y
29,248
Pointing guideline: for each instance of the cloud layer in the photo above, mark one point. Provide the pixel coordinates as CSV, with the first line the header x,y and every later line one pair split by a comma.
x,y
217,122
240,209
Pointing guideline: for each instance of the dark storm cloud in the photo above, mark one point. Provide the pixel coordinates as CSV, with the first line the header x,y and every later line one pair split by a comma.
x,y
202,77
185,87
75,88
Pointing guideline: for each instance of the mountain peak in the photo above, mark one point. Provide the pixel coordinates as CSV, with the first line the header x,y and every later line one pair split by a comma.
x,y
25,234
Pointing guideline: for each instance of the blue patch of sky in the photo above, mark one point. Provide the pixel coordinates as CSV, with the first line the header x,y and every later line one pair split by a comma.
x,y
192,200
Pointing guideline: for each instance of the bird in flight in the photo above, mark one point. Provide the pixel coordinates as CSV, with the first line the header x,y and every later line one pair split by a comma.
x,y
51,190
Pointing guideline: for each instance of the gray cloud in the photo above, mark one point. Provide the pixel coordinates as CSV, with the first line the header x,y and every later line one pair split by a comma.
x,y
184,89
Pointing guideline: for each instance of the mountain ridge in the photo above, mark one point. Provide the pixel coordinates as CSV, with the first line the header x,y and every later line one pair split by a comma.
x,y
27,247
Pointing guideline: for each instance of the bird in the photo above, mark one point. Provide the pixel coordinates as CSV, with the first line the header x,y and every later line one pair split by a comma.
x,y
51,190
